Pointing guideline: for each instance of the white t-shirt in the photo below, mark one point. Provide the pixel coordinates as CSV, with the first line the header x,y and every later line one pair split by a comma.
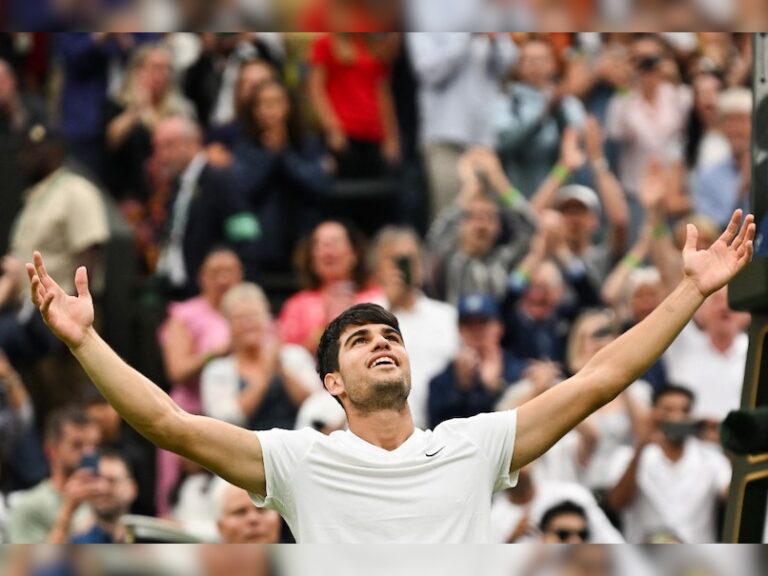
x,y
505,515
715,378
434,488
678,496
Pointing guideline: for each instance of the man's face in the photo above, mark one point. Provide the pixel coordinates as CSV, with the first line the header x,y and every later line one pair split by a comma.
x,y
173,146
75,442
579,221
480,333
566,528
737,128
718,318
543,295
392,252
672,407
480,227
118,490
241,522
537,64
374,370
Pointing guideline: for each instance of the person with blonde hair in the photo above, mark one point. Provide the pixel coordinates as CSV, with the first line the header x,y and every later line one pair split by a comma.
x,y
150,93
262,383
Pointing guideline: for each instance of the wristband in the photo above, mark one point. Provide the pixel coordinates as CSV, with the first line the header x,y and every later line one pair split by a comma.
x,y
560,173
659,231
631,261
511,196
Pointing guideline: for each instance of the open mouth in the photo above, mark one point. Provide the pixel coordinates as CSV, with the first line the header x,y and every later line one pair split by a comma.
x,y
382,361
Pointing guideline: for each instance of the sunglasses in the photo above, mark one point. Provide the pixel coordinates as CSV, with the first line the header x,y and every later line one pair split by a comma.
x,y
563,535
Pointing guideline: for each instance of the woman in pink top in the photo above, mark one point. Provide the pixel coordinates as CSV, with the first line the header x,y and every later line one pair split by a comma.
x,y
194,333
333,267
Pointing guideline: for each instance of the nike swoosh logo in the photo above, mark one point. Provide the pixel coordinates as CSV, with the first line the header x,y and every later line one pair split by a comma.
x,y
435,453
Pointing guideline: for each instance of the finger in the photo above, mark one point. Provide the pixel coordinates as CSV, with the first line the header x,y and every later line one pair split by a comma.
x,y
36,292
46,280
742,237
81,282
30,271
47,301
691,238
732,229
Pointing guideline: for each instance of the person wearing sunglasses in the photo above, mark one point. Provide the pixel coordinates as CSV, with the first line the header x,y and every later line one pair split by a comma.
x,y
565,523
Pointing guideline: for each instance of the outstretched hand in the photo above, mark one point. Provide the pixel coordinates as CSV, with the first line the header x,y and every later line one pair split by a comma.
x,y
68,317
711,269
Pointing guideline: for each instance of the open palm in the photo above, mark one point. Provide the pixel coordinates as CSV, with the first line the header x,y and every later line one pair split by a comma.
x,y
712,269
68,317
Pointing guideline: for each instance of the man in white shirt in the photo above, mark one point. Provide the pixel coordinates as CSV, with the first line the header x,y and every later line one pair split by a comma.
x,y
672,481
709,358
384,480
398,261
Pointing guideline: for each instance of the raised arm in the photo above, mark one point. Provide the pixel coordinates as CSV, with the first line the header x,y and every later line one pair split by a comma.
x,y
544,420
228,451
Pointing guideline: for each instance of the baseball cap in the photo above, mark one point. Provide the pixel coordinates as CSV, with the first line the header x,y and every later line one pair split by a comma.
x,y
478,306
582,194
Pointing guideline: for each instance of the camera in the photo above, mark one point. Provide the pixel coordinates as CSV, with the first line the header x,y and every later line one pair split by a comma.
x,y
405,265
681,430
648,63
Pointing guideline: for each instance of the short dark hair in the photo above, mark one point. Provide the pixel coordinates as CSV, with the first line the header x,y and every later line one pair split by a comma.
x,y
59,418
358,315
112,454
673,389
566,507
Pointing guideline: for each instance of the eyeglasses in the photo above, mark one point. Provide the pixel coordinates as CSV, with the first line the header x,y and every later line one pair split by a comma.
x,y
564,535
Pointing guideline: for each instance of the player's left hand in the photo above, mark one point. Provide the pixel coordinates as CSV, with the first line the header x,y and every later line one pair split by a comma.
x,y
711,269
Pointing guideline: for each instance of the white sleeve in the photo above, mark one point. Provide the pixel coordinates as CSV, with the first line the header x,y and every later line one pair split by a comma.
x,y
494,434
723,471
219,389
282,452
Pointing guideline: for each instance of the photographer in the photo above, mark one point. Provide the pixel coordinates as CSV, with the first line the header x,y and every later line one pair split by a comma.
x,y
399,267
673,480
69,438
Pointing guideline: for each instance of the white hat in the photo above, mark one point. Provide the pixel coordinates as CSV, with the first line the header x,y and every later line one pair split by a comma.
x,y
582,194
319,410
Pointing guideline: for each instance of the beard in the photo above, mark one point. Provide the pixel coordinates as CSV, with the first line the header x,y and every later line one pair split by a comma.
x,y
382,395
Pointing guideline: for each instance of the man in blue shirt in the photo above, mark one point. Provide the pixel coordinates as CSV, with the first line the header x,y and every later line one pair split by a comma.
x,y
723,187
112,502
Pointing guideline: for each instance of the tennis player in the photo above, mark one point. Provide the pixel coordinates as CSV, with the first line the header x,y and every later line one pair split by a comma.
x,y
383,480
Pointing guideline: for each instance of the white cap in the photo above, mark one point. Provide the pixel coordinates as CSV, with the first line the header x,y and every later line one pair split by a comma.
x,y
580,193
320,409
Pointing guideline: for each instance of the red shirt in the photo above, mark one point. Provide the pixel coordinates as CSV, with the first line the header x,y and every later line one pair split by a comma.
x,y
353,87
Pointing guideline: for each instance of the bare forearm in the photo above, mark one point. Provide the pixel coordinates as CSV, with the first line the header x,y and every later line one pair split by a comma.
x,y
138,400
610,371
620,363
624,491
59,534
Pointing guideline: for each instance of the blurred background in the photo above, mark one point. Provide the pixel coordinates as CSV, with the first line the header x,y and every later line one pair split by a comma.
x,y
379,15
577,560
523,195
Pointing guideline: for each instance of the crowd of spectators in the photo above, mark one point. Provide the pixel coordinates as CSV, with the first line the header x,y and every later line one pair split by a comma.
x,y
517,200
